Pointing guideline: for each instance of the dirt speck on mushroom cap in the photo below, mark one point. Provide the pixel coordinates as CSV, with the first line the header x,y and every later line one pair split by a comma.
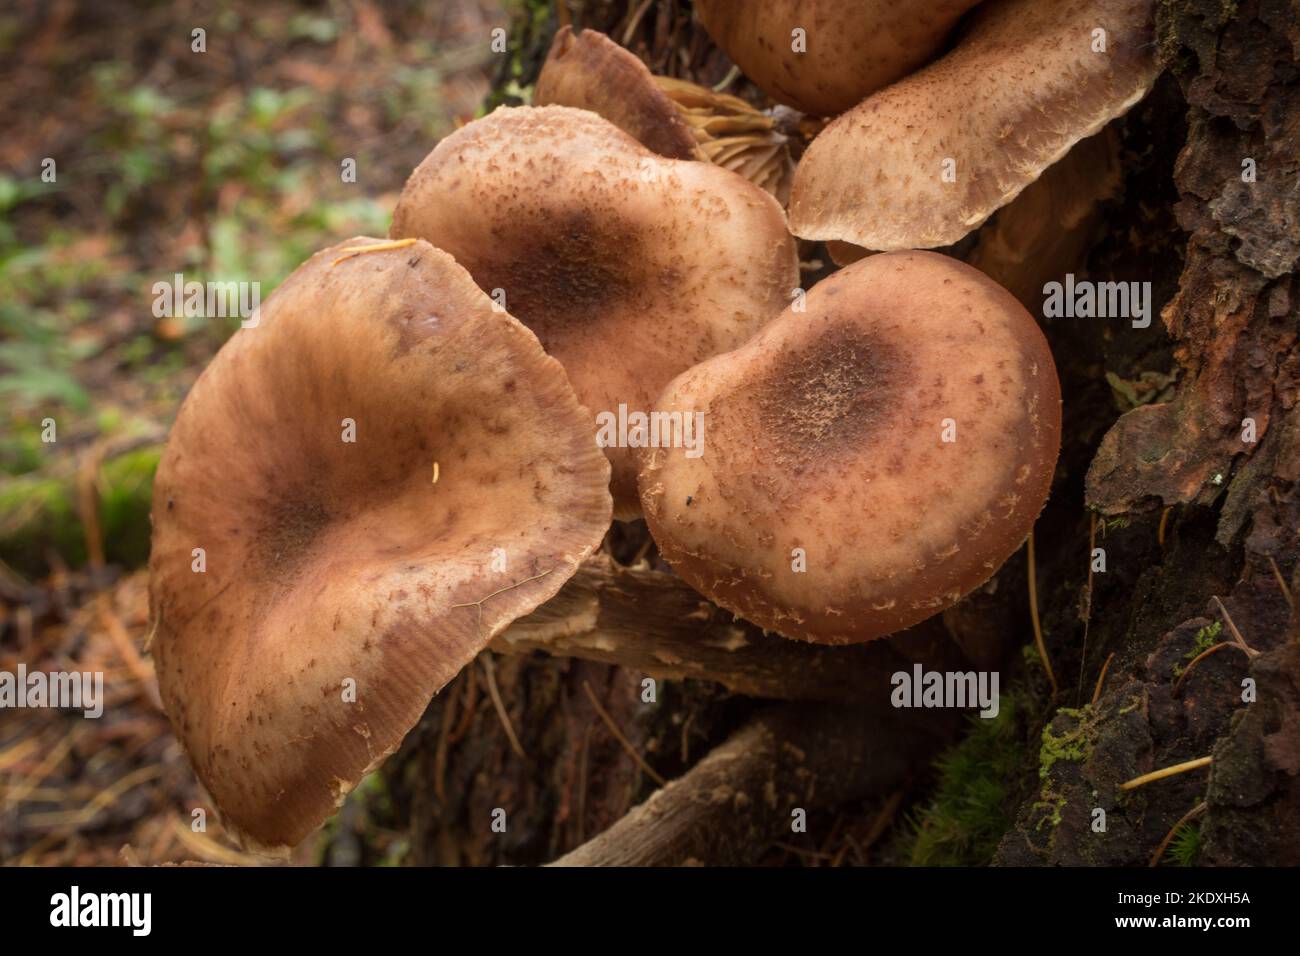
x,y
329,561
630,267
827,431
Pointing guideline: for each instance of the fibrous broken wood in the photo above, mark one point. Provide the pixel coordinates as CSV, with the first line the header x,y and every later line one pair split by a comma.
x,y
653,622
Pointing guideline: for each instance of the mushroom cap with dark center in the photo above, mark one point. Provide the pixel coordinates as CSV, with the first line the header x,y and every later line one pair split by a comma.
x,y
851,47
827,432
925,161
336,565
630,267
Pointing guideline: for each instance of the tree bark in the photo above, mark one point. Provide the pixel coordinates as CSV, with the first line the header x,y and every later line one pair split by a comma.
x,y
1205,486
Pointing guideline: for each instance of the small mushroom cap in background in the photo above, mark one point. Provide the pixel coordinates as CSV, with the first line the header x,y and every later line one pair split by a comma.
x,y
587,70
629,266
675,118
925,161
826,432
334,564
852,47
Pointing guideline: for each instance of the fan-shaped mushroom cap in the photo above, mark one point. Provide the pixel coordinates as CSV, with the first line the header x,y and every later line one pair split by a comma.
x,y
630,267
925,161
851,47
340,579
587,70
829,432
673,117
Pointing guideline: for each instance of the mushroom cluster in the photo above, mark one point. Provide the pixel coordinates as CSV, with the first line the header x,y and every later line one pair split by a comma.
x,y
628,266
410,450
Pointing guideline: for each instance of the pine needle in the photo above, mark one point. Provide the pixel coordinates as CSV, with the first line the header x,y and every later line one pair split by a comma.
x,y
1101,679
351,251
1227,619
1201,656
1087,612
1281,583
1033,611
1164,520
1185,819
1155,775
618,735
489,668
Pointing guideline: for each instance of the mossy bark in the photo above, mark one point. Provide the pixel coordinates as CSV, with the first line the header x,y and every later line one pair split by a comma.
x,y
1201,490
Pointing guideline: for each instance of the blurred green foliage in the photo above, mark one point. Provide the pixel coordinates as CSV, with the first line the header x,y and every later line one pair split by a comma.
x,y
221,183
39,514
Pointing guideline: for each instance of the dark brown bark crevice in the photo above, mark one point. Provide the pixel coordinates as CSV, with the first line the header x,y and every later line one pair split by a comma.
x,y
748,792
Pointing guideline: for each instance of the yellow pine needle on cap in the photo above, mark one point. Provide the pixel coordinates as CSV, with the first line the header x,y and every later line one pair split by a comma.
x,y
351,251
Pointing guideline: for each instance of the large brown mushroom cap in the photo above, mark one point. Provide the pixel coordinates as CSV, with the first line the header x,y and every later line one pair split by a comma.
x,y
1020,88
630,267
826,432
854,47
329,561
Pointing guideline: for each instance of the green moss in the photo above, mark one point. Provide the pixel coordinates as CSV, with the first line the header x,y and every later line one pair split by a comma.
x,y
1147,388
532,25
1185,846
363,822
1169,44
1049,809
973,804
126,496
22,451
1068,737
1205,638
39,515
1075,744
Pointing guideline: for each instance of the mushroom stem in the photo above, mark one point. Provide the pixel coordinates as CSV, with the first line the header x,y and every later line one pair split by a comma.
x,y
744,796
655,623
